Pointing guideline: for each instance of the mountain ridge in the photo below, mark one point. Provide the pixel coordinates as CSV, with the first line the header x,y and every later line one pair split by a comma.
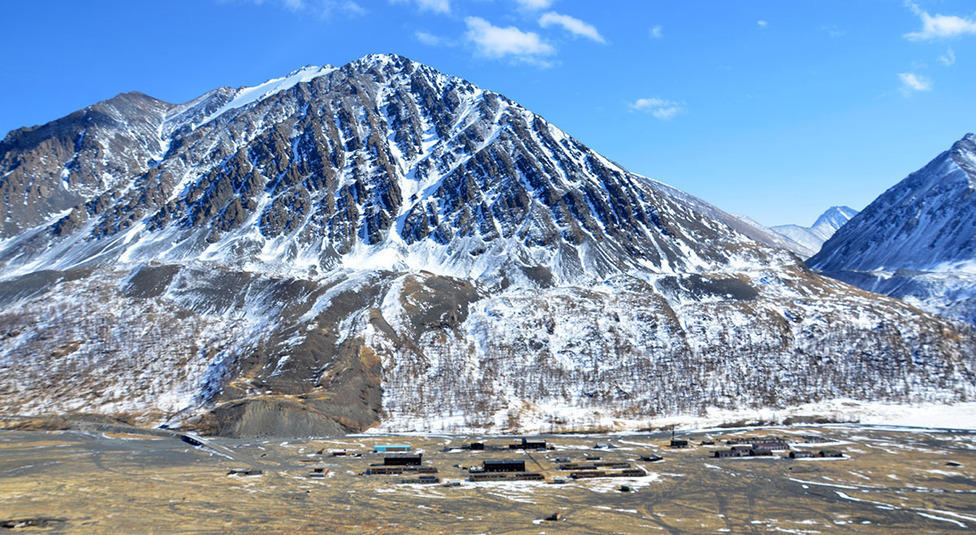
x,y
810,239
384,244
916,240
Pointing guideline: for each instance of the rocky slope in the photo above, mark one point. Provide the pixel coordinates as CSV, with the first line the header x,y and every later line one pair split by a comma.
x,y
810,239
917,241
380,244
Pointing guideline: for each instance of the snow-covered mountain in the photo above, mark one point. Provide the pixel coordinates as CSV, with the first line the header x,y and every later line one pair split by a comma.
x,y
383,244
810,239
917,241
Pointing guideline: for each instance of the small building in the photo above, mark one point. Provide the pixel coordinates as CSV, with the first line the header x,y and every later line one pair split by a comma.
x,y
421,469
527,444
386,448
504,465
771,444
244,472
630,472
612,464
422,480
577,466
403,460
829,453
563,460
384,470
678,443
742,450
800,454
588,474
527,476
191,441
651,458
476,446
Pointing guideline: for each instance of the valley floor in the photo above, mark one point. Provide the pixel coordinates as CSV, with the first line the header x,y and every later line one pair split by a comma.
x,y
890,480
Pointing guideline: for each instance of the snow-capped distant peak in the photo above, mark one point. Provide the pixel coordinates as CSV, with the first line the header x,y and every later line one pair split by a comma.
x,y
811,238
833,219
963,153
249,95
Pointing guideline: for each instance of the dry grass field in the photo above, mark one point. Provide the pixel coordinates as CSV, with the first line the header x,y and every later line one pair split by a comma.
x,y
890,481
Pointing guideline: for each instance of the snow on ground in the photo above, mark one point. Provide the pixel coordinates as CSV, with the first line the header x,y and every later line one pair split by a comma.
x,y
928,415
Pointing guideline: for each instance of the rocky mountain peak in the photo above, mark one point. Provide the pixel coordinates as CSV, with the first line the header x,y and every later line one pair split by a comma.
x,y
833,218
381,243
920,223
808,240
964,155
384,162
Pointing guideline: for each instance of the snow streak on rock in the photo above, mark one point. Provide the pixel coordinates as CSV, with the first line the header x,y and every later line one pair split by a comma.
x,y
917,241
381,243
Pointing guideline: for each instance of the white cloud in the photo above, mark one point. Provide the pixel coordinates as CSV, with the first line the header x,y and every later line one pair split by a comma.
x,y
429,38
939,26
570,24
437,6
497,42
534,4
762,23
913,82
658,107
833,31
656,32
323,8
949,58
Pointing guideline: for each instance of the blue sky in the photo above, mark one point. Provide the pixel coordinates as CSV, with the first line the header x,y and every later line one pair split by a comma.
x,y
775,110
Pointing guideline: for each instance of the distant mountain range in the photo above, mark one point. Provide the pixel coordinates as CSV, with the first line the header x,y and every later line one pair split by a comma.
x,y
809,239
917,241
381,244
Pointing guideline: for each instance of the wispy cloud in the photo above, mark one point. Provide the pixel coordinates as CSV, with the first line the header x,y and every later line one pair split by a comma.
x,y
437,6
658,107
939,26
762,23
497,42
322,8
430,39
833,31
911,82
949,58
572,25
534,4
656,32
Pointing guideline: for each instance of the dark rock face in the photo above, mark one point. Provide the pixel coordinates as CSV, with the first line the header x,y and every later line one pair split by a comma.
x,y
381,244
51,168
917,240
383,152
927,219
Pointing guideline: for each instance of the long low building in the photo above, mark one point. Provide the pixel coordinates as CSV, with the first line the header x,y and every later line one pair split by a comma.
x,y
504,465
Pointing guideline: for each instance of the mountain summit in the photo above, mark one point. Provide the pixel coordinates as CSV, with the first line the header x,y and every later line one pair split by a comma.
x,y
383,163
380,244
918,239
811,238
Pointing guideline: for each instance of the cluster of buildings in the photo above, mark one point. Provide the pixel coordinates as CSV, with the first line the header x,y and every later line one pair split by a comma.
x,y
399,459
